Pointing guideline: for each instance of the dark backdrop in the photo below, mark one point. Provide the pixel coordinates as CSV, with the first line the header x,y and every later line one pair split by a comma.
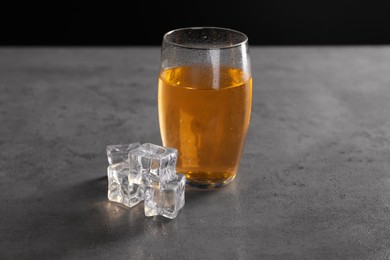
x,y
267,22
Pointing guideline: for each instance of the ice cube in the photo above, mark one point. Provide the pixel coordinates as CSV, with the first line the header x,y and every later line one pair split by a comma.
x,y
166,200
156,164
153,201
117,153
122,187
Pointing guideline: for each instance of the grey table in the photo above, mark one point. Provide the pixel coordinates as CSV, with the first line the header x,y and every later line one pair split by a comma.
x,y
314,181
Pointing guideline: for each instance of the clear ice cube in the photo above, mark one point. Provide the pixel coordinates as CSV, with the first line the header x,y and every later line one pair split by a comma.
x,y
122,186
156,164
166,200
117,153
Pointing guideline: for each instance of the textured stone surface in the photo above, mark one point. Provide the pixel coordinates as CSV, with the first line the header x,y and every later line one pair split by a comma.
x,y
314,181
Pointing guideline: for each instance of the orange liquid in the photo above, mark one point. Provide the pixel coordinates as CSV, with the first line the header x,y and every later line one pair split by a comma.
x,y
205,115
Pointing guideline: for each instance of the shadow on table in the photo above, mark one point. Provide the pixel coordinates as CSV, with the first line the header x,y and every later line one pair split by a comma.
x,y
75,218
193,195
80,217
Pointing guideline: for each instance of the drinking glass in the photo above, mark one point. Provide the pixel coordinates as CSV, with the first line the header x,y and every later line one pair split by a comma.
x,y
204,101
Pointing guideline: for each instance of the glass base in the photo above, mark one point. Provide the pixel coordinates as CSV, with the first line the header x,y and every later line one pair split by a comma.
x,y
201,180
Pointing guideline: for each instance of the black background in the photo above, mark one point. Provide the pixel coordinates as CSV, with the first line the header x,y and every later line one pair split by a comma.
x,y
144,23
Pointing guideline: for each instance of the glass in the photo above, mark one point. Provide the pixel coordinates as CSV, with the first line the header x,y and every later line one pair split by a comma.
x,y
204,101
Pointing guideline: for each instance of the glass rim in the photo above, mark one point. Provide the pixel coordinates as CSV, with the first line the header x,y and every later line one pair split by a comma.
x,y
233,45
